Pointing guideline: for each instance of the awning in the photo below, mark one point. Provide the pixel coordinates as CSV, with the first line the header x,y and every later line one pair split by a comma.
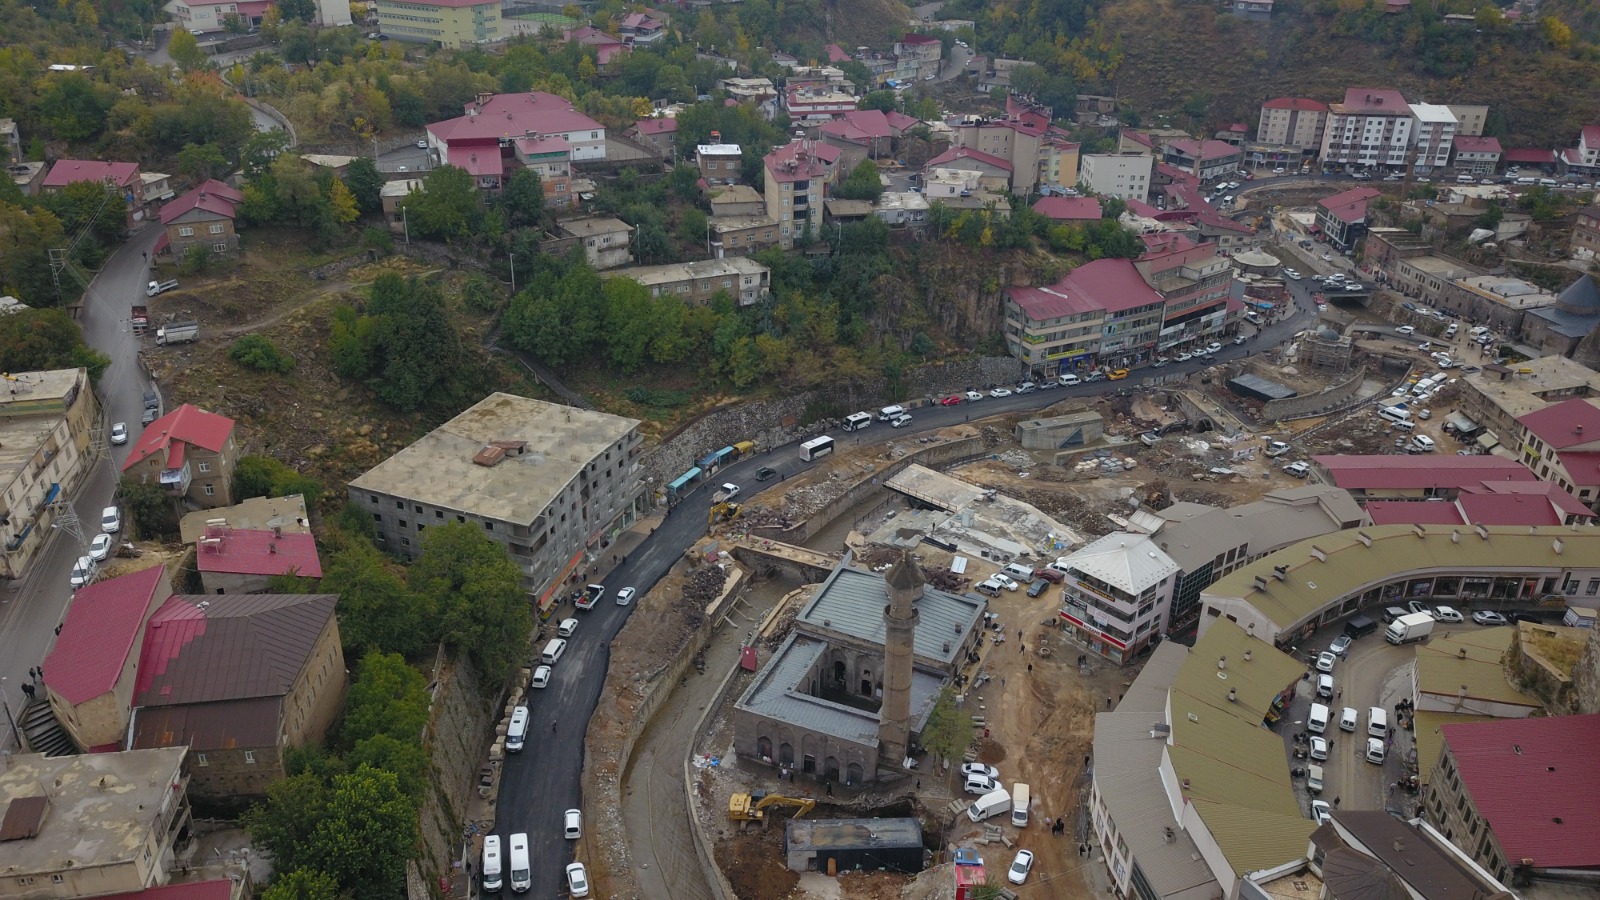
x,y
1488,440
1461,423
684,479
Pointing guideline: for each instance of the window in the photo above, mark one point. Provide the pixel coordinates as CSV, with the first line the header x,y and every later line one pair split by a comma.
x,y
488,526
205,467
186,231
399,504
201,761
216,228
250,757
377,517
404,524
405,542
57,879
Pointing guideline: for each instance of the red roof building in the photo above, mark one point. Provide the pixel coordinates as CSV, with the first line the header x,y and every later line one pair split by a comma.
x,y
796,180
1343,217
484,141
1561,443
1300,104
836,54
236,561
202,216
216,889
1494,503
607,47
955,156
190,453
1532,782
1531,157
89,673
1420,477
124,175
1068,209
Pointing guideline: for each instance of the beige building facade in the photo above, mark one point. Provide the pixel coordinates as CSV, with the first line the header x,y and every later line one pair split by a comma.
x,y
48,422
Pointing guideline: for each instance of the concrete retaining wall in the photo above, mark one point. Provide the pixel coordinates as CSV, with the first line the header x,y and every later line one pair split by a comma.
x,y
1323,401
274,115
764,421
718,882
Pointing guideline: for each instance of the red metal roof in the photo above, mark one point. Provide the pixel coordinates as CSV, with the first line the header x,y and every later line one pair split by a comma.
x,y
211,648
1053,302
261,553
918,39
69,171
102,623
217,889
1558,497
1209,149
1068,208
1421,471
958,153
477,160
1525,155
1112,284
1300,103
663,125
1535,782
811,161
1375,101
213,196
1477,144
1590,135
189,424
1583,466
1410,512
836,54
1570,423
513,116
1351,205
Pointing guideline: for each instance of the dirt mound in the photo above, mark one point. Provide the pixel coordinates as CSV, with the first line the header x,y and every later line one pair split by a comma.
x,y
753,862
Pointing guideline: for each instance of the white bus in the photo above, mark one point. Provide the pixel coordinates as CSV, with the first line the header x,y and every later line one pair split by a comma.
x,y
816,448
857,421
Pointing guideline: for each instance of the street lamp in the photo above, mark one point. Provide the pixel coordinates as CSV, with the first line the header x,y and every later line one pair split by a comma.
x,y
405,222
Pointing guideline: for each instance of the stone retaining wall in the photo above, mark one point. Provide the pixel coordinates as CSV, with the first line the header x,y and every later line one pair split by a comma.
x,y
718,882
1308,404
460,728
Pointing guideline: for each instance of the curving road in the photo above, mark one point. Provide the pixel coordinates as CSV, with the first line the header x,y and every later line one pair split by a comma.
x,y
543,781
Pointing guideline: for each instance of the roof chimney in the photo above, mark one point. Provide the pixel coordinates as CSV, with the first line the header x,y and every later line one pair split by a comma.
x,y
272,547
277,531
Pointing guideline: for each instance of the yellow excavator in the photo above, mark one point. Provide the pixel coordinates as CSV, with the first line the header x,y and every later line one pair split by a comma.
x,y
752,807
722,512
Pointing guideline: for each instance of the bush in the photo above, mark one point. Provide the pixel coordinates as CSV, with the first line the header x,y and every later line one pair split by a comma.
x,y
195,260
258,354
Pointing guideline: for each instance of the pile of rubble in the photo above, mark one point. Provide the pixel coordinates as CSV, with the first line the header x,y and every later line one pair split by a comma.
x,y
703,585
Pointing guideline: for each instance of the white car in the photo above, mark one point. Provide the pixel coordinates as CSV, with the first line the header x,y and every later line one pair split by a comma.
x,y
1000,392
110,520
1327,257
625,596
900,421
567,628
1292,276
1326,661
83,571
980,769
1488,617
541,677
1213,347
1448,614
1005,581
1069,379
100,547
578,880
1020,867
1319,748
973,396
119,433
1184,357
978,785
1321,811
572,824
1375,750
1406,329
1341,646
422,144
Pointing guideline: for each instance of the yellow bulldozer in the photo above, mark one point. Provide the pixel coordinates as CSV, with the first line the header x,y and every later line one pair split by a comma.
x,y
752,807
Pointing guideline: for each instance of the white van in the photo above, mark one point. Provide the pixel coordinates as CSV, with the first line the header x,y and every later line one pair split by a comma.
x,y
1422,442
991,804
1317,722
1018,571
1378,722
1451,331
1527,181
1404,425
1348,719
888,413
517,731
1394,413
552,651
1019,804
521,869
491,864
857,421
1314,779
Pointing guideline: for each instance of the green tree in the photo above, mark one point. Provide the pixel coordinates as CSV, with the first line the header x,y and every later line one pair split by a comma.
x,y
523,199
200,161
376,609
477,590
185,50
264,476
947,731
27,237
258,354
692,227
38,339
447,206
286,822
388,697
406,759
367,833
407,335
366,183
90,205
297,10
863,183
302,884
342,203
886,101
149,508
262,147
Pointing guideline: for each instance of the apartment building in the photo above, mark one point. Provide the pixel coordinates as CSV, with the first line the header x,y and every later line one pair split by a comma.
x,y
1477,155
1207,159
697,283
1470,119
719,163
1123,175
797,177
1193,282
46,424
1434,133
1023,138
446,24
1561,443
1292,122
550,482
191,453
1372,127
1117,594
814,104
1053,328
1342,218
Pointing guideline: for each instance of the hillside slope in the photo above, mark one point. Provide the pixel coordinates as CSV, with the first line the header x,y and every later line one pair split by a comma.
x,y
866,23
1185,53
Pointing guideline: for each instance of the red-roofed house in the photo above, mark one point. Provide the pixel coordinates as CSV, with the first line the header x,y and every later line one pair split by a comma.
x,y
89,674
1343,217
1561,443
1068,209
1292,122
1527,156
796,181
1102,314
659,134
944,175
503,131
1477,155
241,561
1421,477
1214,159
1372,127
864,133
607,47
124,176
641,29
1023,139
240,680
836,54
202,217
1520,797
1494,503
1586,155
215,889
190,453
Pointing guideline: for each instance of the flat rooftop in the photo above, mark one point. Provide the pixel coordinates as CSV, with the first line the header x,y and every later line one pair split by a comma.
x,y
852,834
438,469
254,514
1546,380
30,409
672,273
97,810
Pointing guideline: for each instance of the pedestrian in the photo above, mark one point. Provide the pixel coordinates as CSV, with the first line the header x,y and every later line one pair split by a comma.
x,y
919,784
1049,821
986,732
830,789
1002,681
1108,703
27,689
1030,667
1336,803
553,726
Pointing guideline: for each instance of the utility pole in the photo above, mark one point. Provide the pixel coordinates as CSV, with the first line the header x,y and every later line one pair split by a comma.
x,y
405,222
16,736
512,257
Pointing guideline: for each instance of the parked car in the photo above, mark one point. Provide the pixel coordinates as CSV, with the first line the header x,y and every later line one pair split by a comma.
x,y
973,768
1319,748
1406,329
1020,866
1448,614
578,880
100,547
567,628
1321,811
1117,374
541,677
1375,750
1326,661
1213,347
952,400
572,824
1488,617
1341,646
111,520
119,433
1000,392
1417,606
973,396
1005,581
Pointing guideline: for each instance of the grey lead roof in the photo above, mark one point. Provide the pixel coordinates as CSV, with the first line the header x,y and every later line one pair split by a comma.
x,y
778,693
851,602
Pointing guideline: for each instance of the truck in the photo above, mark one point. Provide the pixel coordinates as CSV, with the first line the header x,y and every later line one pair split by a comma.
x,y
1408,628
991,804
178,333
139,318
727,492
160,287
591,595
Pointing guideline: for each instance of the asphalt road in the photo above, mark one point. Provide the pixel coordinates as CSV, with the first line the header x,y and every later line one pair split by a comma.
x,y
543,781
31,607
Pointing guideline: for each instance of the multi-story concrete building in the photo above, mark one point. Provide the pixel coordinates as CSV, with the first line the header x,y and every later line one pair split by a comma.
x,y
797,180
1053,329
190,453
1498,301
697,283
658,133
1561,443
1371,128
204,216
446,24
549,482
1477,155
1560,330
719,163
285,685
1342,218
1433,135
815,104
742,235
921,52
1193,282
1058,162
1292,122
1020,137
47,421
1500,395
973,168
607,242
1479,797
1118,594
1470,119
1123,175
1206,159
1586,233
92,825
1584,159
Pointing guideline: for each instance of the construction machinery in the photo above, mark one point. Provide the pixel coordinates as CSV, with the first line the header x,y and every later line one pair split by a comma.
x,y
752,807
722,512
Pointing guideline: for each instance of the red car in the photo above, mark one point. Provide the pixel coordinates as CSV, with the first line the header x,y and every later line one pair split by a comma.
x,y
952,400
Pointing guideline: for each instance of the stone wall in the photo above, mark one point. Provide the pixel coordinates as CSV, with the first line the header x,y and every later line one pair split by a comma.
x,y
1586,676
763,421
1335,396
274,115
461,722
